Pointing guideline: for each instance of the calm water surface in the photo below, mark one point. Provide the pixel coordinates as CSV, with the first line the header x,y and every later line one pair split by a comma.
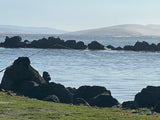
x,y
123,72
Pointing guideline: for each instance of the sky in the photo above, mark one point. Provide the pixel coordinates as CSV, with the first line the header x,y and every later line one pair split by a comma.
x,y
74,15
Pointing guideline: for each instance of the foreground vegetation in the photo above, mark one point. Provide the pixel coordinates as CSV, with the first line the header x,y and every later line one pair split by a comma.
x,y
22,108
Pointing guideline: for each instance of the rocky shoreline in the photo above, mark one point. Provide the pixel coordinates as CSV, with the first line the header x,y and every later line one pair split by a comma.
x,y
57,43
23,79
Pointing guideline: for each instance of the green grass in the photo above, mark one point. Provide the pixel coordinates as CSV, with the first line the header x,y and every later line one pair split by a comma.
x,y
23,108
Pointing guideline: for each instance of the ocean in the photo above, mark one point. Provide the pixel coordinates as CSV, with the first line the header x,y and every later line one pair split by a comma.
x,y
124,73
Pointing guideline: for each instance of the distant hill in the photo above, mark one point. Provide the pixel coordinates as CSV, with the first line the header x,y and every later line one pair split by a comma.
x,y
126,30
10,29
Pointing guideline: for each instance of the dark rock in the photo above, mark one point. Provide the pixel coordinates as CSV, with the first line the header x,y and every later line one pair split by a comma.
x,y
70,44
148,97
118,48
21,75
13,42
103,100
59,90
141,46
88,92
110,47
52,98
129,105
71,90
158,47
81,45
80,101
94,45
157,108
46,76
51,42
128,47
153,47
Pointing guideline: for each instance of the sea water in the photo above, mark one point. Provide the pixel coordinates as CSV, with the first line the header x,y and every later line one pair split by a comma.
x,y
124,73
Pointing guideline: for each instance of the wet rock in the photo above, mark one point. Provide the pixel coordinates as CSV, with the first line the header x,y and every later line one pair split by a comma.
x,y
52,98
21,75
148,97
103,100
94,45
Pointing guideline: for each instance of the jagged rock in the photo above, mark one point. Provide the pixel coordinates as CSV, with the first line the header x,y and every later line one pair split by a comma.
x,y
59,90
141,46
52,98
21,75
103,100
46,76
94,45
148,97
80,101
13,42
129,105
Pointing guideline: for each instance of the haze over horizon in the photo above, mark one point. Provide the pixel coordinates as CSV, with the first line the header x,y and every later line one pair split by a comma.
x,y
78,15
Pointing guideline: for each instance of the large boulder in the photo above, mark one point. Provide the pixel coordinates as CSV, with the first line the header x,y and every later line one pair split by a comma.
x,y
94,45
21,77
96,96
148,97
52,88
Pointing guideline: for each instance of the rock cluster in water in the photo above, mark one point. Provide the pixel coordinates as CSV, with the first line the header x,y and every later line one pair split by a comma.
x,y
51,42
23,79
57,43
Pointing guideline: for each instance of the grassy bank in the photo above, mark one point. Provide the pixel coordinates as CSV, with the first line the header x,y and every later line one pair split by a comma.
x,y
22,108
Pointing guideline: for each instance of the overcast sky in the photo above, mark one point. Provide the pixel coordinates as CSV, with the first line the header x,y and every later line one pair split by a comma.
x,y
78,14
